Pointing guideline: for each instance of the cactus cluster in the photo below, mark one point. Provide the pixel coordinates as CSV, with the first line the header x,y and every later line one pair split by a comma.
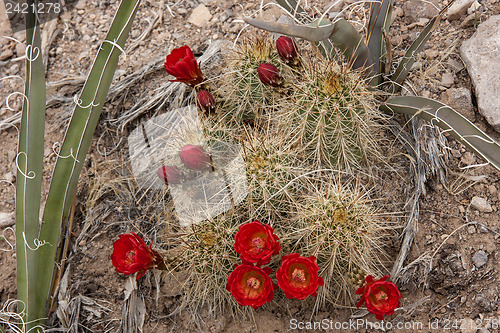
x,y
336,223
301,126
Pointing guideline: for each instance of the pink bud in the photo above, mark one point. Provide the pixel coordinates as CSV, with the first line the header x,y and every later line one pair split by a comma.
x,y
195,158
170,174
206,101
269,75
287,49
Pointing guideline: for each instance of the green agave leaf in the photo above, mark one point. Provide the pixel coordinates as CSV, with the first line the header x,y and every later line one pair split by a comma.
x,y
378,28
313,34
450,121
325,46
341,33
418,45
77,141
29,176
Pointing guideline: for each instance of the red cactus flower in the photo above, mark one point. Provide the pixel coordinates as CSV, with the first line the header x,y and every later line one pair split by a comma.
x,y
251,285
182,64
205,101
170,174
381,296
287,49
269,75
131,255
298,276
195,158
256,243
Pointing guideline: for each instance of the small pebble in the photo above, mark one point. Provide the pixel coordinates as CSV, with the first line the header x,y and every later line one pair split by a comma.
x,y
6,54
482,228
481,204
480,258
492,189
447,79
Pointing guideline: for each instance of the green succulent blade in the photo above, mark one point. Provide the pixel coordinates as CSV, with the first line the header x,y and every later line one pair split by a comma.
x,y
418,45
325,46
313,34
29,176
450,121
378,26
341,33
77,141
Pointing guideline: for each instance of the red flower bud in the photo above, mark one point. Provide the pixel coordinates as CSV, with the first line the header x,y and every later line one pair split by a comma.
x,y
131,255
182,64
256,243
251,285
298,276
195,158
170,174
287,49
269,75
206,101
381,296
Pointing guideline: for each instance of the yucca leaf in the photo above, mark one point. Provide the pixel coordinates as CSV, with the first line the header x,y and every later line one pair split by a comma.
x,y
380,21
77,141
450,121
29,175
325,46
341,33
418,45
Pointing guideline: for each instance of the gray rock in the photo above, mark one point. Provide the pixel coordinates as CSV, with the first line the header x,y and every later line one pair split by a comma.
x,y
9,176
481,204
447,79
468,158
482,228
480,258
5,29
6,54
458,9
469,21
396,12
417,8
20,50
492,189
81,4
483,330
481,56
474,8
200,16
455,65
7,219
460,99
482,303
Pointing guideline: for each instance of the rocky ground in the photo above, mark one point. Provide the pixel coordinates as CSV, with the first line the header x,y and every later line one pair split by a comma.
x,y
452,283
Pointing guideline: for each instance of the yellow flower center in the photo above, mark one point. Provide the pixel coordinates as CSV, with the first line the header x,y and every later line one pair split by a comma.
x,y
298,274
253,283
